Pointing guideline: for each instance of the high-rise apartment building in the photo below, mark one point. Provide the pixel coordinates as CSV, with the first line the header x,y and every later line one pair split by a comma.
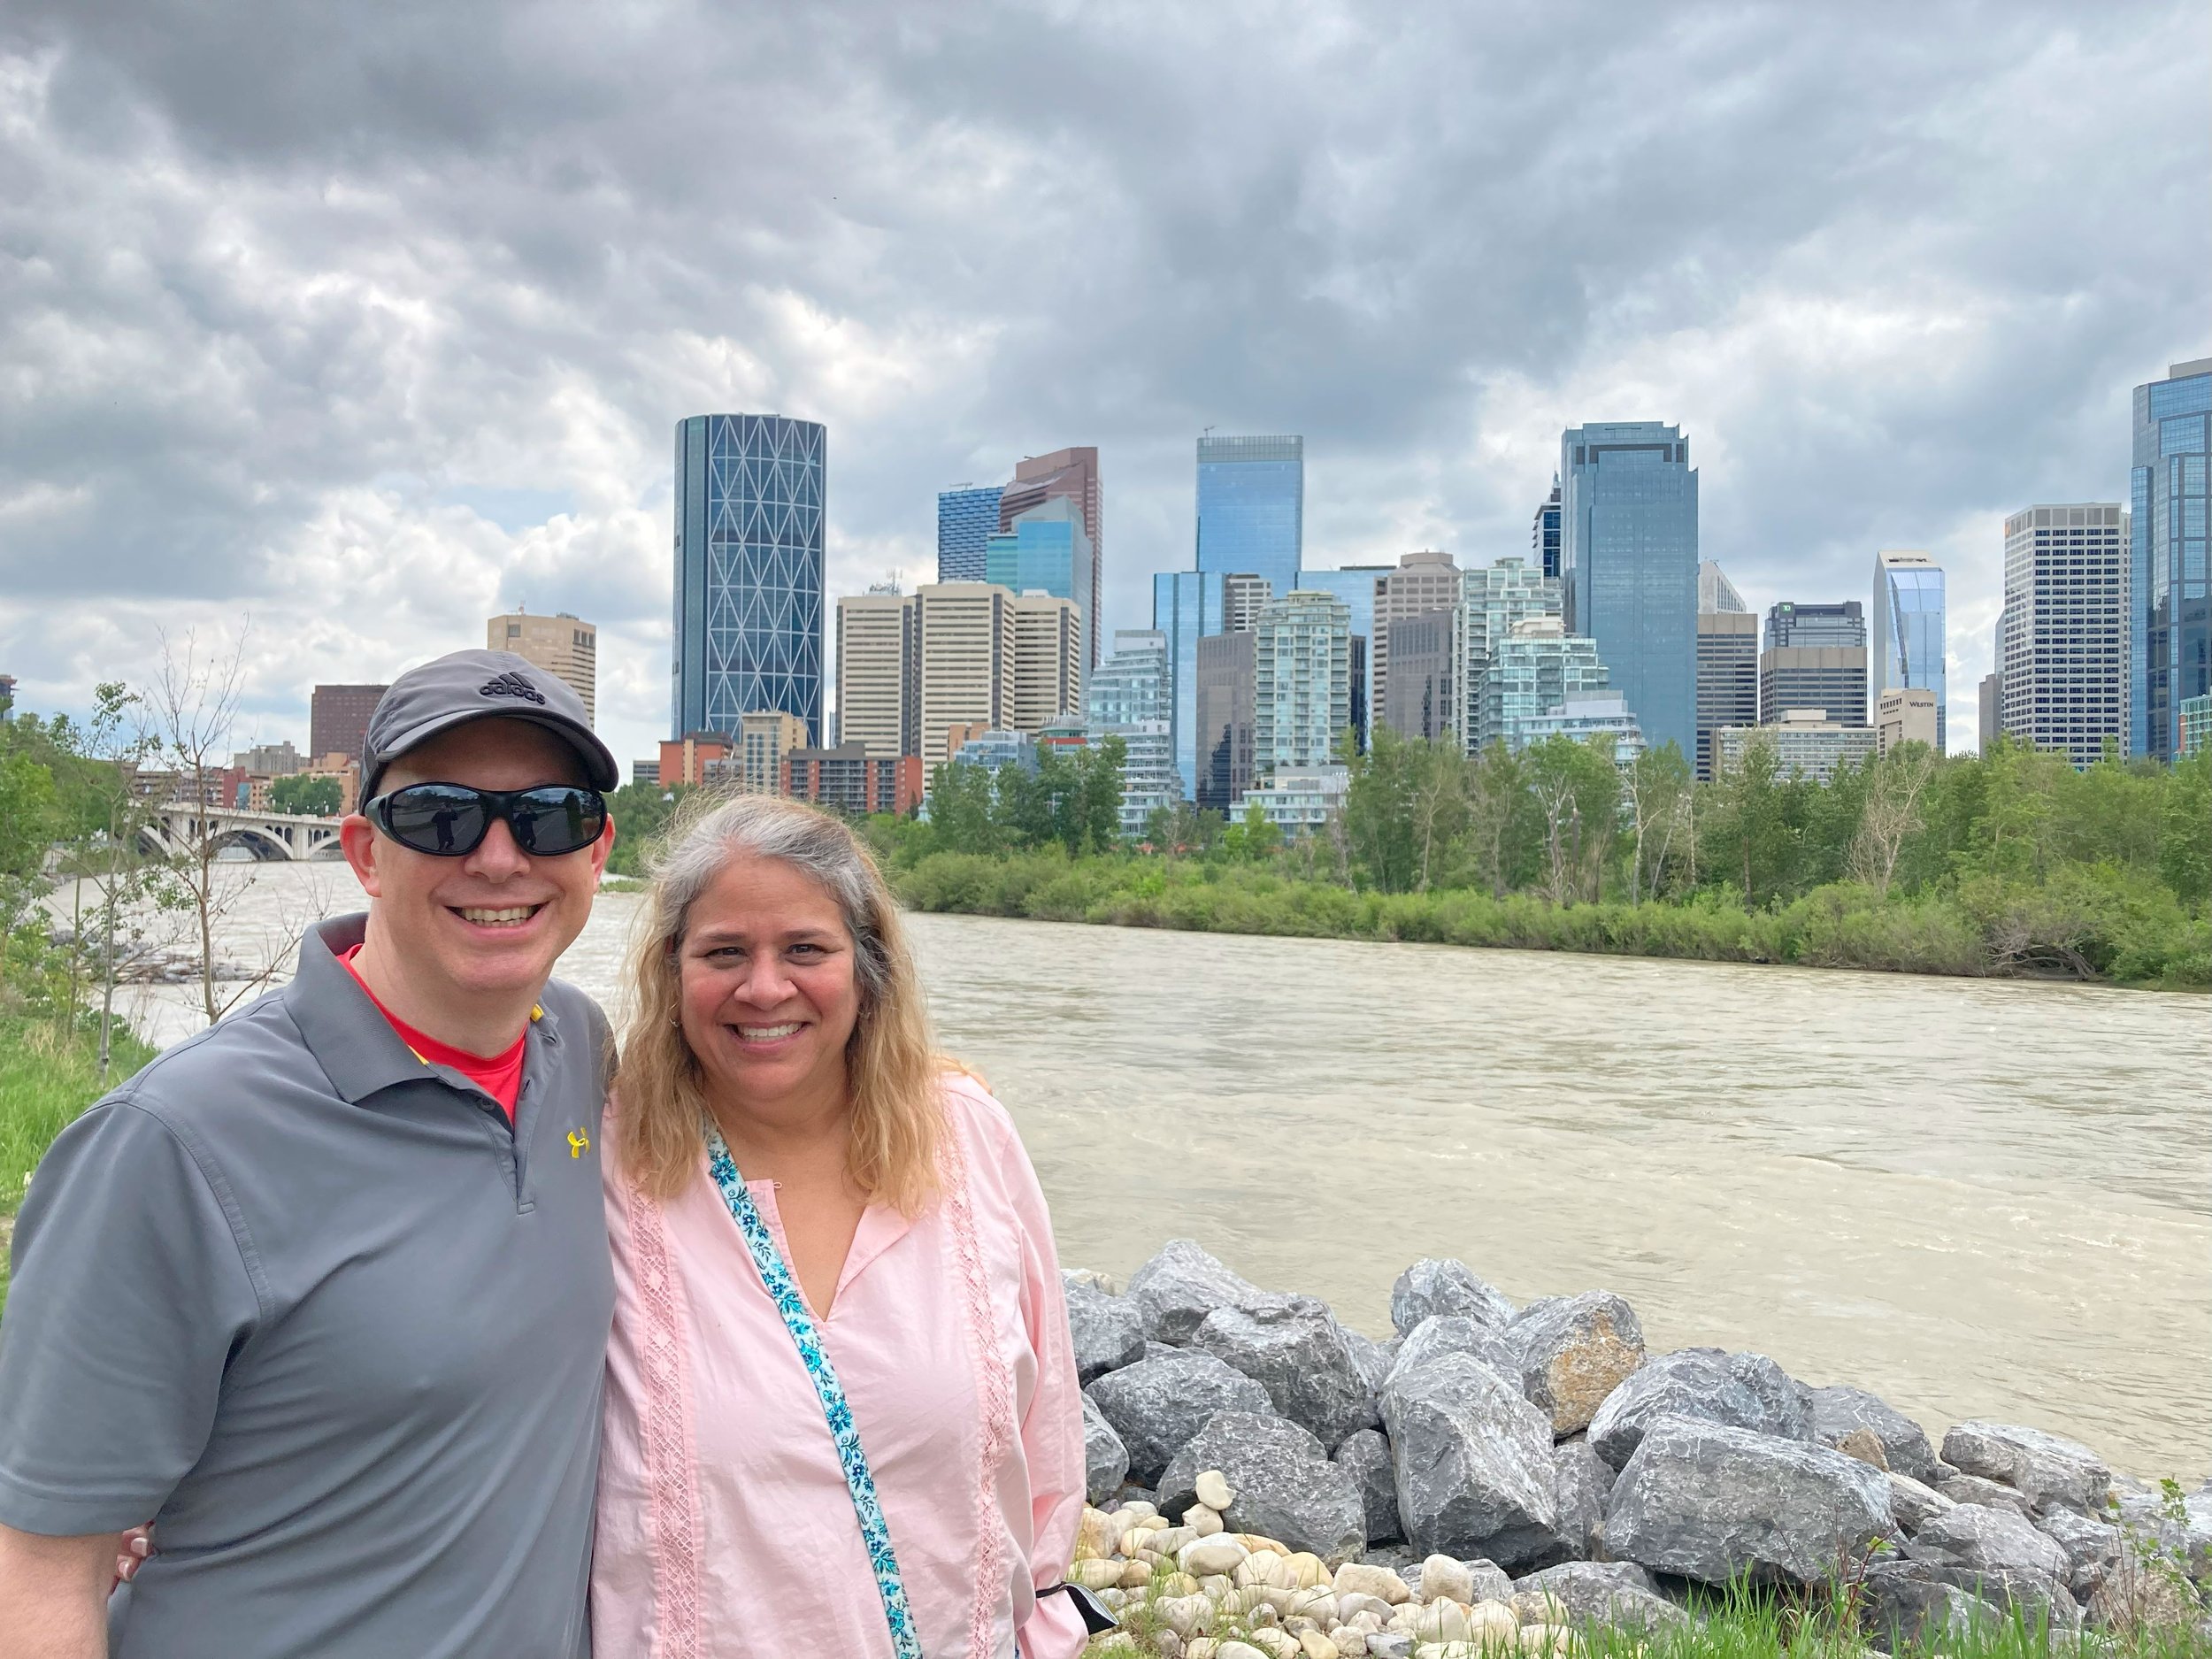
x,y
1579,719
1537,667
849,779
1908,646
338,720
1360,588
1423,583
749,571
1069,475
1302,672
1252,508
1714,591
2170,625
764,737
1046,550
1815,659
967,517
1543,536
1727,679
1420,700
1243,599
1126,697
563,645
1047,660
2065,628
880,672
1187,606
1227,689
967,634
1628,559
1498,597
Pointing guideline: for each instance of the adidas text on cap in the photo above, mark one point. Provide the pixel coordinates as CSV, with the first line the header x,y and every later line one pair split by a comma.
x,y
466,685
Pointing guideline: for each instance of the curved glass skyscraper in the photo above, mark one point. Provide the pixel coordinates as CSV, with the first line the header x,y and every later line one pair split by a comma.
x,y
750,571
1909,633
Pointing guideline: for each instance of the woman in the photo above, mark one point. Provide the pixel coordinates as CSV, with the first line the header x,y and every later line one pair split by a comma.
x,y
843,1413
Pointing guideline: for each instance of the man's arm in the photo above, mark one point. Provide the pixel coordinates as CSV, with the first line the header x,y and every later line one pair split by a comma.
x,y
53,1595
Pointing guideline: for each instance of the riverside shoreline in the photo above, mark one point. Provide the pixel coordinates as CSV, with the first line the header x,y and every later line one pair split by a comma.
x,y
1842,926
1498,1470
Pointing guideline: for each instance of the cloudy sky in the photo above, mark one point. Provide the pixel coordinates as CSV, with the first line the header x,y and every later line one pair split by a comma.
x,y
351,324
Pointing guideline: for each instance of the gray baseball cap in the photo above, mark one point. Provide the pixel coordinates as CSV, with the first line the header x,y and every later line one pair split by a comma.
x,y
465,686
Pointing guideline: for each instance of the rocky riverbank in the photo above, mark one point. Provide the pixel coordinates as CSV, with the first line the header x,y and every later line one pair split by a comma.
x,y
1265,1481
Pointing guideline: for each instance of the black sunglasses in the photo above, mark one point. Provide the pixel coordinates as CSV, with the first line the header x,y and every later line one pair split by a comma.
x,y
450,820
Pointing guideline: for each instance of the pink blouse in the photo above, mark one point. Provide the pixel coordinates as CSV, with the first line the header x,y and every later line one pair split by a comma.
x,y
724,1525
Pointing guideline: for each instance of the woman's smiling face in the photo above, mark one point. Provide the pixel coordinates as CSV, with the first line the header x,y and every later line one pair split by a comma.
x,y
769,991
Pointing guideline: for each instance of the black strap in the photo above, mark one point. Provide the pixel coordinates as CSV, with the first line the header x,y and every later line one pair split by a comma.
x,y
1096,1619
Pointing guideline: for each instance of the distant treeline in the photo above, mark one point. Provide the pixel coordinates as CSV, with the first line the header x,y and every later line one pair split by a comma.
x,y
2011,862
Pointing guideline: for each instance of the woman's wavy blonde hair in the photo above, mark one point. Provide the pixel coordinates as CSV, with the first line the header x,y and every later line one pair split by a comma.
x,y
891,1062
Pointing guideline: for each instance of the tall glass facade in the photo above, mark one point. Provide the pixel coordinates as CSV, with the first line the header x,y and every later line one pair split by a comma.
x,y
1047,551
1908,644
2170,624
1252,508
966,519
1186,606
750,571
1628,560
1543,537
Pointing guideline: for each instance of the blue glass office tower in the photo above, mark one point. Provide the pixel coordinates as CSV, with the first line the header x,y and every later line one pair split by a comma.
x,y
1252,508
2170,624
966,519
749,493
1628,563
1543,536
1908,644
1047,551
1186,606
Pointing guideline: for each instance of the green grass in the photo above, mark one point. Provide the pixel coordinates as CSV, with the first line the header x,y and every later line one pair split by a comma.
x,y
46,1080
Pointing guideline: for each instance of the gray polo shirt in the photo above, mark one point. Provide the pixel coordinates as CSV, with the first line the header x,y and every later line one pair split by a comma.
x,y
307,1304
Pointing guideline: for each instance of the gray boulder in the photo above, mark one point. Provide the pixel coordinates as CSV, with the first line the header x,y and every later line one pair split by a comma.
x,y
1472,1461
1906,1608
1157,1404
1437,1285
1365,1456
1998,1556
1455,1333
1105,1459
1297,1351
1107,1330
1993,1494
1178,1287
1373,1358
1572,1352
1285,1486
1583,1482
1162,1350
1616,1592
2045,1470
2093,1550
1737,1391
1710,1501
1914,1505
1838,1409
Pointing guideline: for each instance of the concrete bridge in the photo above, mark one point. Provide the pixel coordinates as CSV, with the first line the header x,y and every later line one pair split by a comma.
x,y
273,837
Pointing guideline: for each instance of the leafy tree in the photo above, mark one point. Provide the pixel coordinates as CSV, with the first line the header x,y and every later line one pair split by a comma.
x,y
318,797
1749,836
1253,839
1380,807
1890,811
1656,789
2185,841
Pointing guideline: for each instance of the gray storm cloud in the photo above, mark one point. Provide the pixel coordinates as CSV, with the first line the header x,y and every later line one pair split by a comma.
x,y
365,321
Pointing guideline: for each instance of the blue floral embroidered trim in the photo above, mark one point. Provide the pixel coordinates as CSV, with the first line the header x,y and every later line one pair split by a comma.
x,y
784,1291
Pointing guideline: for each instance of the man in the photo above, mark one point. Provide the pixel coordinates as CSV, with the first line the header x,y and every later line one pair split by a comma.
x,y
324,1292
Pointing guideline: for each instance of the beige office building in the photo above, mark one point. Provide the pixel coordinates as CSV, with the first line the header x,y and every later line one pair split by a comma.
x,y
1806,742
966,635
880,672
1423,583
1049,657
1904,714
565,646
764,737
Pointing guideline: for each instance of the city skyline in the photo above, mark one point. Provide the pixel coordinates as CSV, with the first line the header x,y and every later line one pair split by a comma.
x,y
419,366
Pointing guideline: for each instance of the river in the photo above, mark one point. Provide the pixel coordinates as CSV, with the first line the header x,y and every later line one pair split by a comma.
x,y
1978,1199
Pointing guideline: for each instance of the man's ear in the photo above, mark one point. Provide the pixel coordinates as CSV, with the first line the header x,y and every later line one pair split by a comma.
x,y
602,847
357,836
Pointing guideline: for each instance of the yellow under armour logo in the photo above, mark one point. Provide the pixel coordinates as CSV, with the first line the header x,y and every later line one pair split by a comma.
x,y
579,1143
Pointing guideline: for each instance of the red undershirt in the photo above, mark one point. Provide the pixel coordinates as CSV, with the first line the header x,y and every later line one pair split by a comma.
x,y
499,1076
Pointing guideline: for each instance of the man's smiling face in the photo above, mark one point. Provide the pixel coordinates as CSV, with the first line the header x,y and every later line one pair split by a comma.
x,y
494,921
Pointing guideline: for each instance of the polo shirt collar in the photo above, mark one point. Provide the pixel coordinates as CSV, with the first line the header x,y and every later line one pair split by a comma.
x,y
347,1032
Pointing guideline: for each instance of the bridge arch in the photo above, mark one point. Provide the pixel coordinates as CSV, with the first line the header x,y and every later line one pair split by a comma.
x,y
265,848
